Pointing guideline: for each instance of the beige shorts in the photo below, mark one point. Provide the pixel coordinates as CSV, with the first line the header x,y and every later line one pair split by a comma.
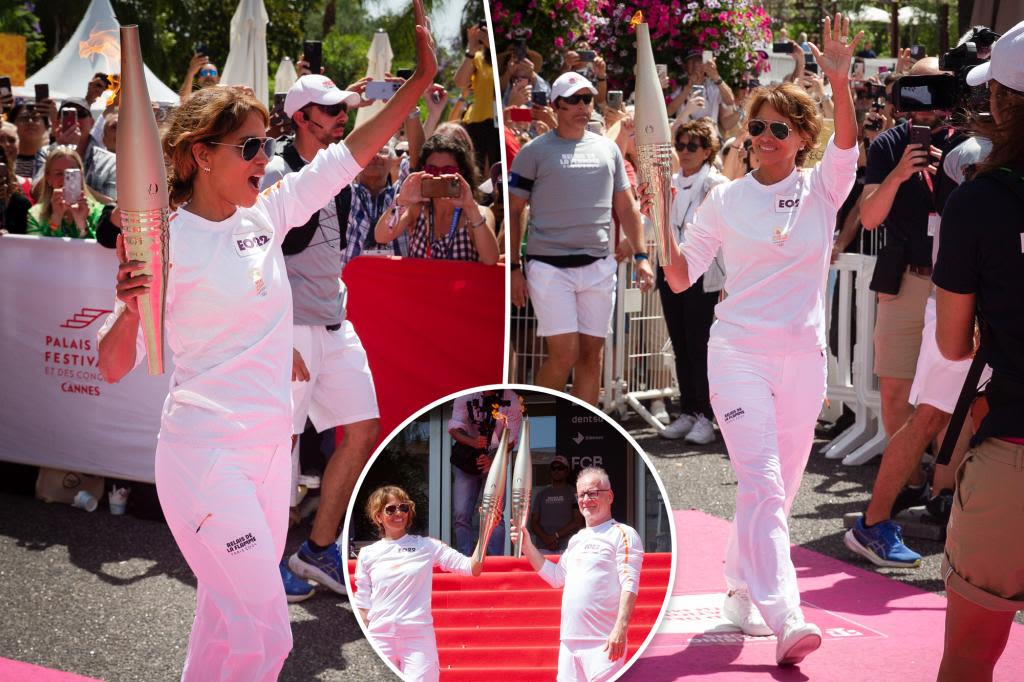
x,y
984,561
898,326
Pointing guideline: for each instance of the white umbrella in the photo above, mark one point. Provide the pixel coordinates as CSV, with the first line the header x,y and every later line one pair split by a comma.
x,y
378,63
870,15
247,60
286,76
914,15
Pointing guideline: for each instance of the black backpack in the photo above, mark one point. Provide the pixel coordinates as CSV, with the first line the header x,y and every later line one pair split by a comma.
x,y
298,238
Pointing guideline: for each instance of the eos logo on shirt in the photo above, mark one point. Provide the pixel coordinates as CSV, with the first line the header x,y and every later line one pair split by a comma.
x,y
247,245
406,549
786,203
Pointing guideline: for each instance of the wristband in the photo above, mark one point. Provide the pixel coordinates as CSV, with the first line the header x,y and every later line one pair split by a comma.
x,y
515,266
640,255
483,219
601,79
717,82
470,55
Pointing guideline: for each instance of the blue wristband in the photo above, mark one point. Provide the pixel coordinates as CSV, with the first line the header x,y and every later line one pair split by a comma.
x,y
642,255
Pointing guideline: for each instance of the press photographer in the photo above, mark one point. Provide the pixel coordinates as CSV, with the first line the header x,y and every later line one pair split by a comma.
x,y
980,272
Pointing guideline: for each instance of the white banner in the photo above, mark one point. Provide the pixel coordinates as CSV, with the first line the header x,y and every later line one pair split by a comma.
x,y
55,408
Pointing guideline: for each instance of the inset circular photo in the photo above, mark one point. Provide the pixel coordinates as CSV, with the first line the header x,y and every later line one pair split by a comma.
x,y
509,533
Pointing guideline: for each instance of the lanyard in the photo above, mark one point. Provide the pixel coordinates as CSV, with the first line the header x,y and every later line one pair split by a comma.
x,y
448,240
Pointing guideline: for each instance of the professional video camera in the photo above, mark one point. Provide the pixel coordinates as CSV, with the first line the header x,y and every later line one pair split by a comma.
x,y
950,91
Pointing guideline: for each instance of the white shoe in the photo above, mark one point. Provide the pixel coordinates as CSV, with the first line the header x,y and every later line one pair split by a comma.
x,y
679,428
702,432
796,640
741,612
659,412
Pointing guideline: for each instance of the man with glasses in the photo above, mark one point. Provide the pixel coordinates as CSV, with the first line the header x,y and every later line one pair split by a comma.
x,y
554,516
100,164
573,181
202,71
599,575
331,380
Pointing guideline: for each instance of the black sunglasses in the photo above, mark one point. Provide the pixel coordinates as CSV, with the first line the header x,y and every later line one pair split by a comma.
x,y
333,109
690,146
558,466
393,509
251,147
586,98
779,129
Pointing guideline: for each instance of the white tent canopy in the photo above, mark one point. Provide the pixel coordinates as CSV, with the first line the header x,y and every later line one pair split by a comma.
x,y
94,46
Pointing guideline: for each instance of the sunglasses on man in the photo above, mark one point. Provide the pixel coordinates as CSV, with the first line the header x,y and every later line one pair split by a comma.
x,y
757,127
585,97
690,146
207,72
333,109
251,147
393,509
557,466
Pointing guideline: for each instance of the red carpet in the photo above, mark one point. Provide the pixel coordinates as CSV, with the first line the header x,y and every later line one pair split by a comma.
x,y
16,671
505,623
875,628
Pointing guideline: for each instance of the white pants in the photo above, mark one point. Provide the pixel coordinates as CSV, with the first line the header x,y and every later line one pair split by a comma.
x,y
586,661
228,512
766,407
413,650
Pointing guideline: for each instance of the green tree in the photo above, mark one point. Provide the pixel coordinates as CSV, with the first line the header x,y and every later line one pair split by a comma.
x,y
21,20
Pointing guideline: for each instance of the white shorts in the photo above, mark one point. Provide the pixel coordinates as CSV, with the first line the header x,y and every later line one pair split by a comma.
x,y
340,388
586,661
571,300
938,381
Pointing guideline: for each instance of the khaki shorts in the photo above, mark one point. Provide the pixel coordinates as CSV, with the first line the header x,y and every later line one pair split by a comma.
x,y
984,561
898,326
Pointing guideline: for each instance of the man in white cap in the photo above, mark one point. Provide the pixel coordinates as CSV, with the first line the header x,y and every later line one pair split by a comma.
x,y
599,575
572,180
979,273
331,380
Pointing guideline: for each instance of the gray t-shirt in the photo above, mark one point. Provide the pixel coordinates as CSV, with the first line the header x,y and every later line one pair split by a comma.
x,y
571,194
318,294
554,508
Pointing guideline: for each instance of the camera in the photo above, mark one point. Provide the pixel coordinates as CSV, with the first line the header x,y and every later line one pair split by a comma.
x,y
949,91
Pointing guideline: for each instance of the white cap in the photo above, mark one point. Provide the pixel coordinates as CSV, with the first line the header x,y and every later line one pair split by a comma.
x,y
569,83
1006,64
314,89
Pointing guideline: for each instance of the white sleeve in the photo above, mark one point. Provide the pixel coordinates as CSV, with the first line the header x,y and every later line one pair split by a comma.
x,y
361,598
702,238
836,173
140,342
460,413
553,574
290,201
450,560
629,558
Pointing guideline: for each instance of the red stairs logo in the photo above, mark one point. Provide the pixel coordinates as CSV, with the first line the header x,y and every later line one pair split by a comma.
x,y
84,318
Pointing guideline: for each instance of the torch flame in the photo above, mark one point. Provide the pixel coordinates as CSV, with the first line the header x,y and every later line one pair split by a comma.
x,y
105,43
638,18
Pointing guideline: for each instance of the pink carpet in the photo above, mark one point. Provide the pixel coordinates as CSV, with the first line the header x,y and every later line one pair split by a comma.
x,y
16,671
875,628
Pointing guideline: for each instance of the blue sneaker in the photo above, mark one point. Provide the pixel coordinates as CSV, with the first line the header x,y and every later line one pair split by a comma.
x,y
882,545
295,589
324,567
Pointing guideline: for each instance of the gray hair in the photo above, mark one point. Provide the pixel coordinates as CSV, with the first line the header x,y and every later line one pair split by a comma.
x,y
598,472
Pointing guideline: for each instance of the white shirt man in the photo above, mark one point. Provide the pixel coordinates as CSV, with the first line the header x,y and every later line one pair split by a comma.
x,y
600,576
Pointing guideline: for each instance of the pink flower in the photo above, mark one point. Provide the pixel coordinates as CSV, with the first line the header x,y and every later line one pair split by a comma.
x,y
559,43
714,46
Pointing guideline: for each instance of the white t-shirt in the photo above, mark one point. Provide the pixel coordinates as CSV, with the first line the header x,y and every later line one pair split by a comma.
x,y
777,241
600,564
394,579
228,316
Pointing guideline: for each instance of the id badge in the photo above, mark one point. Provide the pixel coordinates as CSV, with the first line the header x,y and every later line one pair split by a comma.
x,y
933,224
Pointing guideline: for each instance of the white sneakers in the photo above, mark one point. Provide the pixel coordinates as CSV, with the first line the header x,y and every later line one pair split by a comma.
x,y
796,640
702,432
679,428
741,612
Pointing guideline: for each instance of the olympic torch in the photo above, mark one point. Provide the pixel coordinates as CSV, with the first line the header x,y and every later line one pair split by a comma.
x,y
653,139
142,194
492,507
522,484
